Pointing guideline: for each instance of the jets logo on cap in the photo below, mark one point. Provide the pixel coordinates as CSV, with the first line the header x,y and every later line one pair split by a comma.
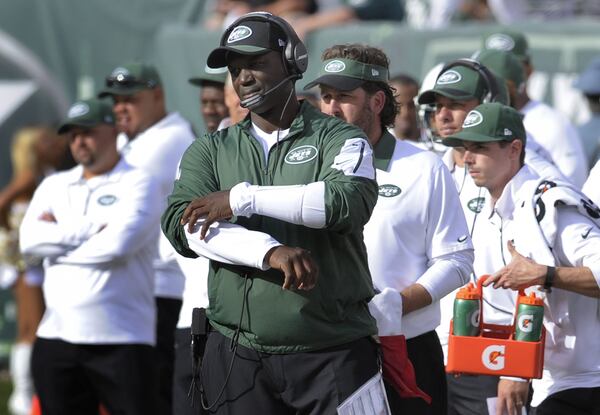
x,y
119,73
389,190
473,118
449,77
500,41
507,132
78,109
239,33
374,72
335,66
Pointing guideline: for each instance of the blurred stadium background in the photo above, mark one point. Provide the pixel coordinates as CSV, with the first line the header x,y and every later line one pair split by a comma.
x,y
55,51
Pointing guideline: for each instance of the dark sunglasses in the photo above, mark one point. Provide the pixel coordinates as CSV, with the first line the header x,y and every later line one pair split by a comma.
x,y
125,81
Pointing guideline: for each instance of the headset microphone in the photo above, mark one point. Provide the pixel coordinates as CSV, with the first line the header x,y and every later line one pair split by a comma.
x,y
256,100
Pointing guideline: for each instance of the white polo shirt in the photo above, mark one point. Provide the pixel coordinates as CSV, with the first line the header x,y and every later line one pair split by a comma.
x,y
98,254
158,150
572,353
417,232
558,136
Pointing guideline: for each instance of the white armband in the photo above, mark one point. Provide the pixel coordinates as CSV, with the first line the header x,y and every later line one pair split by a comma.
x,y
300,204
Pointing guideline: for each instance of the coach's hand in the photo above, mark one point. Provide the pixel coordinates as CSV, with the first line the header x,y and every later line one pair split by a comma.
x,y
521,272
297,264
214,207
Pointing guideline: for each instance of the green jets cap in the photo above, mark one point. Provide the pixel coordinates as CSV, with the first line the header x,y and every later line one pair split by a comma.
x,y
87,113
502,63
459,83
507,40
129,79
214,75
347,74
489,122
248,37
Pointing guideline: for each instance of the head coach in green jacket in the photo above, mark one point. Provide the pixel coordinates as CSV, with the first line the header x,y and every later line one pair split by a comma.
x,y
278,203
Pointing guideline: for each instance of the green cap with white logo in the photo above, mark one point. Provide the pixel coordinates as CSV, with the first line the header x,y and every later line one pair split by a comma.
x,y
214,75
347,74
502,63
459,83
87,114
129,79
507,40
489,122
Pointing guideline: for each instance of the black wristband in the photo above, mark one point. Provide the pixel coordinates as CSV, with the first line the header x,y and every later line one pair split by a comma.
x,y
549,281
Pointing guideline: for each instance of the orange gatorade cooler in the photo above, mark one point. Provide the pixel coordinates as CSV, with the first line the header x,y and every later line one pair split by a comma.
x,y
494,349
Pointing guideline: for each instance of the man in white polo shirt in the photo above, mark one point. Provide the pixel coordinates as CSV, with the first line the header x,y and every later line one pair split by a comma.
x,y
153,140
535,232
417,239
94,227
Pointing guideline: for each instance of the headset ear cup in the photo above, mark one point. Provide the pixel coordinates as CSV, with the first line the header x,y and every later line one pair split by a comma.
x,y
300,58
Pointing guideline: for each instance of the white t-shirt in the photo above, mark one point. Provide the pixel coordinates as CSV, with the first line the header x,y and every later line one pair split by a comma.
x,y
417,232
98,254
557,135
158,150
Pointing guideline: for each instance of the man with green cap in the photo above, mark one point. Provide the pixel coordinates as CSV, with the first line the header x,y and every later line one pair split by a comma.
x,y
510,69
417,224
551,129
93,225
278,202
459,88
212,96
153,140
541,235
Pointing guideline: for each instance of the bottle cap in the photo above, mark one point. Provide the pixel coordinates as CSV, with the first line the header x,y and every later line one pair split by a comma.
x,y
530,299
468,292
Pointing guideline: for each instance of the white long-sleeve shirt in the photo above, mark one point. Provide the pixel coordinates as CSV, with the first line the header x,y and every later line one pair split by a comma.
x,y
98,253
158,150
572,353
417,232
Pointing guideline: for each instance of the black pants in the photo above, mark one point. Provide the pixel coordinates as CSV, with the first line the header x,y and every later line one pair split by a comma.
x,y
186,401
577,401
167,314
426,355
72,379
467,394
312,383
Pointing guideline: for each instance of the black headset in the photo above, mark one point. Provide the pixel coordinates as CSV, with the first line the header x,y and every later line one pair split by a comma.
x,y
295,55
492,89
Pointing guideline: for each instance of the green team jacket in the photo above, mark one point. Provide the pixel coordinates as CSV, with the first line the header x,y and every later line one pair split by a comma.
x,y
275,320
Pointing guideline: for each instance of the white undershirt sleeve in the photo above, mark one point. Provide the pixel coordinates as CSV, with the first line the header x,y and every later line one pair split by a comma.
x,y
300,204
446,273
231,244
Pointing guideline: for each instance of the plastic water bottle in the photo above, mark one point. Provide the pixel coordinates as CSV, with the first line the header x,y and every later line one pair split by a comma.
x,y
530,318
467,306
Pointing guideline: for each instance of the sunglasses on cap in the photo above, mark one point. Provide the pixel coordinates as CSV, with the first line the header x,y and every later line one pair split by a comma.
x,y
126,81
